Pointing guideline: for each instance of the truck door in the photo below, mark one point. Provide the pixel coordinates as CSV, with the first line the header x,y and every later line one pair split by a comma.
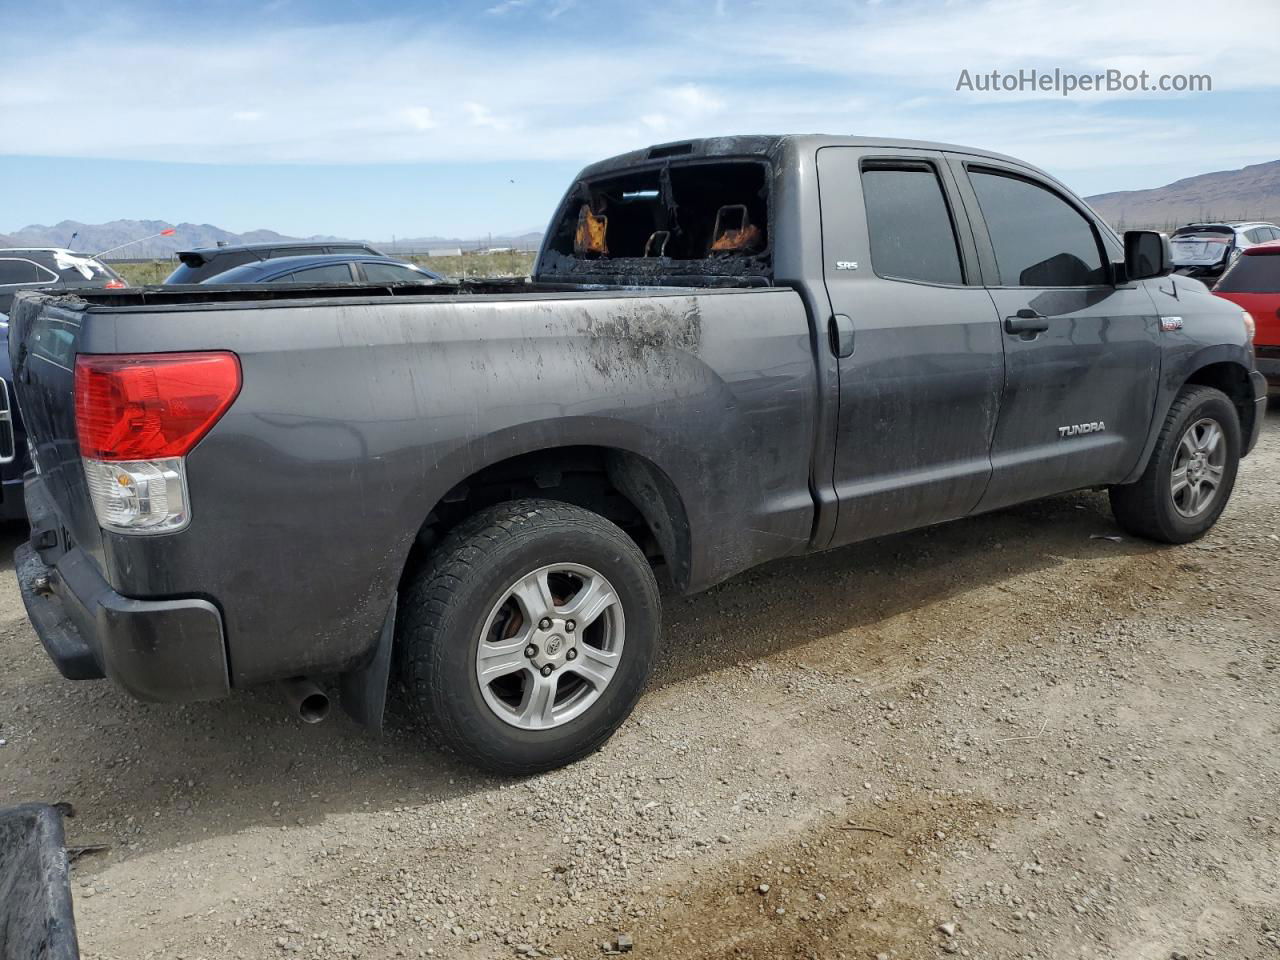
x,y
918,343
1082,356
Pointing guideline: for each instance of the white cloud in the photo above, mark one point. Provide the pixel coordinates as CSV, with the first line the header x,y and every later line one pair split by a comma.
x,y
929,43
695,100
506,6
550,10
366,91
481,116
420,118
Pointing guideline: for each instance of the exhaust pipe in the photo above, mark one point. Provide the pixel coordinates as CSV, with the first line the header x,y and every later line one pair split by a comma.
x,y
308,700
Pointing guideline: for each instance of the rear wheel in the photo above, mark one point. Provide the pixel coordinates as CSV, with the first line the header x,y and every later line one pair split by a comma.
x,y
1192,471
528,636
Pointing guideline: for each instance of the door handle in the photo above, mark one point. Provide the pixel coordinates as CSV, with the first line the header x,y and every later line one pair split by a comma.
x,y
840,335
1026,320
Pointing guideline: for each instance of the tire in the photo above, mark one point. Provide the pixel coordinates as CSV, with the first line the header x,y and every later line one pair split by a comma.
x,y
1150,507
493,575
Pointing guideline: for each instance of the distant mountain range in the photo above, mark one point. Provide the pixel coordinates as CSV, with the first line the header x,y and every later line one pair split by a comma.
x,y
1252,193
96,237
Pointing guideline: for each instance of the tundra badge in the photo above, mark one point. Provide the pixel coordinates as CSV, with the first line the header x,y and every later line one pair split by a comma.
x,y
1076,429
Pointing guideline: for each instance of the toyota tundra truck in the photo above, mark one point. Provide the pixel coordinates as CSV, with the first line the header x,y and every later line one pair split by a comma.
x,y
731,350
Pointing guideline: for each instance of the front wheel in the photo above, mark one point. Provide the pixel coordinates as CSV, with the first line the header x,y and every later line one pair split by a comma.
x,y
528,636
1191,473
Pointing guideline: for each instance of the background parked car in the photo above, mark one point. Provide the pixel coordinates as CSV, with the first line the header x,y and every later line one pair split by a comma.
x,y
1204,250
329,268
38,268
1253,282
199,265
32,268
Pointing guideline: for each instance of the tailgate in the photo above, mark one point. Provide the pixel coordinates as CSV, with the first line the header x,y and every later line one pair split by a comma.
x,y
43,340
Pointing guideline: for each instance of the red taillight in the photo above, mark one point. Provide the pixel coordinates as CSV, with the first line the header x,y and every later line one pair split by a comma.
x,y
150,406
116,284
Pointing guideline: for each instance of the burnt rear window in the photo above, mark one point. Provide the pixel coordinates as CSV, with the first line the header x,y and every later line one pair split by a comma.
x,y
690,218
1256,273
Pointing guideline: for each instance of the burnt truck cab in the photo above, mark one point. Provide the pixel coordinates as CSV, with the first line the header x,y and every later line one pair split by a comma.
x,y
731,350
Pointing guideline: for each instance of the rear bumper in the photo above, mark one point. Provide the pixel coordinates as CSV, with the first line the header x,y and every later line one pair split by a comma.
x,y
161,650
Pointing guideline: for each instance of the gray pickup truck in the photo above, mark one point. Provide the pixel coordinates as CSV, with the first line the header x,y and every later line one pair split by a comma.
x,y
731,350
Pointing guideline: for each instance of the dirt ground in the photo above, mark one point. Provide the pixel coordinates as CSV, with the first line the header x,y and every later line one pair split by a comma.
x,y
1008,737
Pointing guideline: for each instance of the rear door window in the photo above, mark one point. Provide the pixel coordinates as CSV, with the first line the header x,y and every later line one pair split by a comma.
x,y
16,270
909,224
1259,273
329,273
1039,239
393,273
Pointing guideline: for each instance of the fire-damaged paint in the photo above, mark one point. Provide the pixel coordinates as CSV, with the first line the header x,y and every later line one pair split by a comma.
x,y
764,400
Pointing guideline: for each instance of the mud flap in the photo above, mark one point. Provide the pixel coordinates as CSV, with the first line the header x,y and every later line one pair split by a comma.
x,y
364,691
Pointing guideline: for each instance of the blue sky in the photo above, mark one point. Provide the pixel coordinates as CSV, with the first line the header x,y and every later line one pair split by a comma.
x,y
366,118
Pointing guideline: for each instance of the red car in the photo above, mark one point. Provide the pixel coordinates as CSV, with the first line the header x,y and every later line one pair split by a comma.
x,y
1253,282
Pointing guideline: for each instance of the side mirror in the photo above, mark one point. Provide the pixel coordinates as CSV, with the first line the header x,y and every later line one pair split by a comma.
x,y
1146,255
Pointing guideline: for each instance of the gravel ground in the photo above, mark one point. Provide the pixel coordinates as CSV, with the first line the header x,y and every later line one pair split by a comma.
x,y
1008,737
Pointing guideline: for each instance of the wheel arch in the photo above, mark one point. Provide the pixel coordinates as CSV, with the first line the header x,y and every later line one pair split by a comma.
x,y
608,475
612,471
1218,366
1232,378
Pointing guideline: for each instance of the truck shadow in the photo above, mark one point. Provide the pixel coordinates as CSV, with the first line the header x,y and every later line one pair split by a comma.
x,y
148,776
788,603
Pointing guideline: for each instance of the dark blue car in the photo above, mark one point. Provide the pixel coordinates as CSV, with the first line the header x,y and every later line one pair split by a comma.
x,y
327,268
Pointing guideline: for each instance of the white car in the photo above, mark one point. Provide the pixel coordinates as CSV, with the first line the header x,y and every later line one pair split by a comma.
x,y
1205,250
42,268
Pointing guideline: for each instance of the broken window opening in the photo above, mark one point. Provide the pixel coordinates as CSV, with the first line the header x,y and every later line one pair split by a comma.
x,y
691,218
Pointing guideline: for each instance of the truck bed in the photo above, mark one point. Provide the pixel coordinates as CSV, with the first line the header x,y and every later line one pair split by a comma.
x,y
364,409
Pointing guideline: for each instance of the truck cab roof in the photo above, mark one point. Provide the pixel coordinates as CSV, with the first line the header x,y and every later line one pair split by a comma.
x,y
702,210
